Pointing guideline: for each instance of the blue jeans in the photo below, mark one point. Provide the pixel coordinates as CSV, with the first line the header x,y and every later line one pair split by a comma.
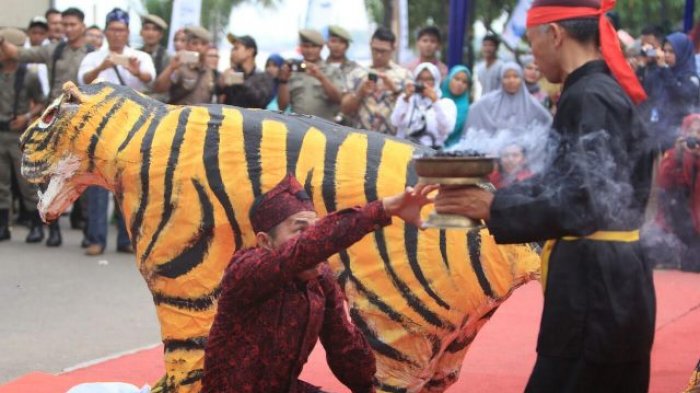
x,y
97,223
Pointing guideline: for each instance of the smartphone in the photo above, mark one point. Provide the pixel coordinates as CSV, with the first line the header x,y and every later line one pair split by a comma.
x,y
372,76
296,65
233,78
188,57
122,60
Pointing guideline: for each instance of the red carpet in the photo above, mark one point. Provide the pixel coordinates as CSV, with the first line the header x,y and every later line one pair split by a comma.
x,y
500,359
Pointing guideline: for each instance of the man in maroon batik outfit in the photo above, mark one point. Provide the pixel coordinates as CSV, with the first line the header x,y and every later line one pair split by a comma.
x,y
278,298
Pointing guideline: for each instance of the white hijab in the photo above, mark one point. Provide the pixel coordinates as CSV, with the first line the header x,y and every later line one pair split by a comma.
x,y
419,104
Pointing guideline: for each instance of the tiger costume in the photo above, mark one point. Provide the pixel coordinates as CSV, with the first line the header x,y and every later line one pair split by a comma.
x,y
185,179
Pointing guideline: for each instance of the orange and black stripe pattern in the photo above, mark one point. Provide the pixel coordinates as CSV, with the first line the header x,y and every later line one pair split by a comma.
x,y
185,178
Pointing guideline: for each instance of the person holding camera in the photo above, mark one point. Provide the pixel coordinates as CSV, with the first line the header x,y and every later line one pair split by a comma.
x,y
188,78
118,63
421,115
243,84
311,87
673,86
373,92
679,181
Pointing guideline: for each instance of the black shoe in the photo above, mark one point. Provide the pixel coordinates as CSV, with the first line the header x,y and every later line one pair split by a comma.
x,y
126,249
54,239
5,233
5,224
35,235
85,243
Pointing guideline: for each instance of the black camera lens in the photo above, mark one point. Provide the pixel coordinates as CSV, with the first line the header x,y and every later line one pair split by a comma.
x,y
692,142
420,88
372,76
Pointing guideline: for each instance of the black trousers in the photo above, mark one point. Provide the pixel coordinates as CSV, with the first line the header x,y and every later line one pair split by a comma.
x,y
560,375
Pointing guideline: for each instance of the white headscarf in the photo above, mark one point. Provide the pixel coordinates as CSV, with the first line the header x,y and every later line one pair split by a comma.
x,y
499,110
420,104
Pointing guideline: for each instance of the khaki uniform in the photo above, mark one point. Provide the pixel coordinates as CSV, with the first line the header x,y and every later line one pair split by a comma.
x,y
346,68
10,154
161,59
192,85
66,66
306,94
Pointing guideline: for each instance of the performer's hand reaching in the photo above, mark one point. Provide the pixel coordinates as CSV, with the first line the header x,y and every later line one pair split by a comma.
x,y
408,204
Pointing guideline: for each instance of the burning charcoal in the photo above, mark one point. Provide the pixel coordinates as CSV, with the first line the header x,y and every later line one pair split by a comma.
x,y
455,154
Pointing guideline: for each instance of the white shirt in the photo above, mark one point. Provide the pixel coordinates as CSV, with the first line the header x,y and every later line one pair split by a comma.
x,y
94,59
489,77
439,119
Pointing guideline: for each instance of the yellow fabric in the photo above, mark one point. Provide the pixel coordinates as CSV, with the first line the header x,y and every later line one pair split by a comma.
x,y
600,236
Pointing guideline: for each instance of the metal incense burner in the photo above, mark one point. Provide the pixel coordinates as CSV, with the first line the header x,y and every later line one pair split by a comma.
x,y
453,170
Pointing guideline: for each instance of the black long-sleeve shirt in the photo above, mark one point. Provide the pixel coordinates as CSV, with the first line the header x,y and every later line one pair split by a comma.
x,y
599,299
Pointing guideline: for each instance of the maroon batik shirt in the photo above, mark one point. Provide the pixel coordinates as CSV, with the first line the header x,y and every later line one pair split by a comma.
x,y
268,321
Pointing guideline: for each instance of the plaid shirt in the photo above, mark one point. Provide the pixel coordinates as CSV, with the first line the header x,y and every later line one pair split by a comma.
x,y
375,110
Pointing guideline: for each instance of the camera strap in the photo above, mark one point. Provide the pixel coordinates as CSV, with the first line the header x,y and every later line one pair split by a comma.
x,y
119,75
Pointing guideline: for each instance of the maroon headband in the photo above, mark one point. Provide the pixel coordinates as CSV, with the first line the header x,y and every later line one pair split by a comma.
x,y
287,198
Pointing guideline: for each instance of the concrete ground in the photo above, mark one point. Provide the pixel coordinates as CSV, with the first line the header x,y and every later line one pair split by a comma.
x,y
61,308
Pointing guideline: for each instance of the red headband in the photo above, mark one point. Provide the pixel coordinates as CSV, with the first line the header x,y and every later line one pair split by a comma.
x,y
609,43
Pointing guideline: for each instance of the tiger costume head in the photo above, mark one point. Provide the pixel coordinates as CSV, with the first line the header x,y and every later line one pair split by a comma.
x,y
61,157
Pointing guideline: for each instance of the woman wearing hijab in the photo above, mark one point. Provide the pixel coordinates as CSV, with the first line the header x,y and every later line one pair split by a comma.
x,y
456,88
508,108
272,67
673,91
420,114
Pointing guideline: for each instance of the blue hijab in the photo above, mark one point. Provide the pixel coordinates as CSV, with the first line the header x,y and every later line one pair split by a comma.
x,y
461,101
277,60
685,54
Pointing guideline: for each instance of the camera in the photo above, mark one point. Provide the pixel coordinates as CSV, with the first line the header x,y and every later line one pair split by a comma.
x,y
649,52
188,57
692,142
420,88
296,65
117,59
372,77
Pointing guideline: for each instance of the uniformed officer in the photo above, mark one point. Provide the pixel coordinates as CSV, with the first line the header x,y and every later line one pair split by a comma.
x,y
153,28
187,78
19,89
314,87
338,44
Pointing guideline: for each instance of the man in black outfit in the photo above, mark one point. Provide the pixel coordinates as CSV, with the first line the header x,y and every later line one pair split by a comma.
x,y
597,325
243,84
